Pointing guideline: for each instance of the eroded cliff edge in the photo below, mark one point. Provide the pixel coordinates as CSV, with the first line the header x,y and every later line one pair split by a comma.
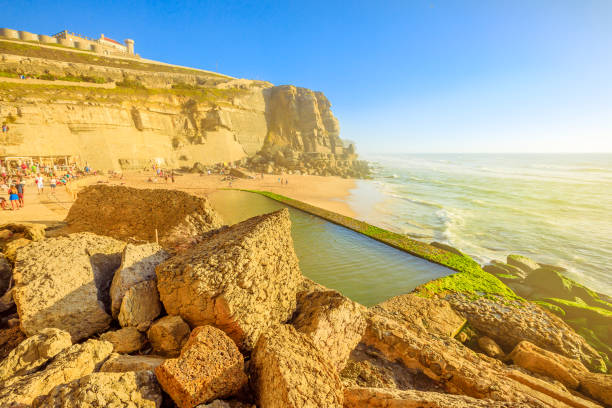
x,y
120,117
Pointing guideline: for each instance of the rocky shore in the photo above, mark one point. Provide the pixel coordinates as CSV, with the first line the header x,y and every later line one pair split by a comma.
x,y
152,302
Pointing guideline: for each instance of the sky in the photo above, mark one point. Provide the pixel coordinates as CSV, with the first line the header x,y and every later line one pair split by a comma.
x,y
402,76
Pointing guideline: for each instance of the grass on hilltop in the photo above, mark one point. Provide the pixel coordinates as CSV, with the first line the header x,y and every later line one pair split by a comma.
x,y
471,279
118,94
59,54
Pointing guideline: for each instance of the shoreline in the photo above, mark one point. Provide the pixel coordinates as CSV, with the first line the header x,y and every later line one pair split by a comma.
x,y
328,192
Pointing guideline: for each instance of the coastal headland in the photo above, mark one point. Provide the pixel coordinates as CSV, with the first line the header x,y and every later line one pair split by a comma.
x,y
128,288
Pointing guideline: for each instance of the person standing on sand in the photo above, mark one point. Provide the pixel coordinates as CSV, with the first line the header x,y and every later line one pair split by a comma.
x,y
40,184
20,189
53,183
13,197
172,175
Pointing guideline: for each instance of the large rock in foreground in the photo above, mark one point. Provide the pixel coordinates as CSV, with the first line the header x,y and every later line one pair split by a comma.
x,y
64,282
131,389
210,367
333,322
289,371
125,213
242,279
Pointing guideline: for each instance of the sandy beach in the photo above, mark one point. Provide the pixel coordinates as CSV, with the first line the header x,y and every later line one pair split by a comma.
x,y
330,193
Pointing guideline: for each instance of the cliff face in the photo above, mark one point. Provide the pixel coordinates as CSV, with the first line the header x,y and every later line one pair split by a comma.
x,y
302,120
177,118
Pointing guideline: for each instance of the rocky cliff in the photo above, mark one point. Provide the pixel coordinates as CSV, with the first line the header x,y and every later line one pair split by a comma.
x,y
118,114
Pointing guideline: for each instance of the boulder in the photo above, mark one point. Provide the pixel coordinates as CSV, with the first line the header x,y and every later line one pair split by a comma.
x,y
130,213
553,365
120,363
11,248
63,283
490,347
135,389
29,230
6,274
210,366
508,322
596,386
549,282
168,335
415,312
126,340
140,305
333,322
289,371
74,362
138,264
389,398
242,279
522,262
33,352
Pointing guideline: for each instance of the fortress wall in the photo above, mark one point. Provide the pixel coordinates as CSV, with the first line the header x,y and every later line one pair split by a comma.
x,y
65,42
96,48
8,33
25,36
82,45
47,39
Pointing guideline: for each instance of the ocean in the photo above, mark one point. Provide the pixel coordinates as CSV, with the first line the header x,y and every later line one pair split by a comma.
x,y
553,208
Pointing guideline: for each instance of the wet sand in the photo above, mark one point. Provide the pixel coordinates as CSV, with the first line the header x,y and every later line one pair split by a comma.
x,y
330,193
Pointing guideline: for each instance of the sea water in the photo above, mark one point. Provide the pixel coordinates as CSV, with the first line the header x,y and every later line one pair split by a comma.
x,y
361,268
553,208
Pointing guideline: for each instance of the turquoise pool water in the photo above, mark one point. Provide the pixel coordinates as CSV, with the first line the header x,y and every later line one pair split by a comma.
x,y
361,268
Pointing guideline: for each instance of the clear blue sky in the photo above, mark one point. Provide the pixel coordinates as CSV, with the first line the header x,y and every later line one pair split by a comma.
x,y
402,76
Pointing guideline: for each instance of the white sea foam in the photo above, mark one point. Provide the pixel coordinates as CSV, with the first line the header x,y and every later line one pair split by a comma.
x,y
553,208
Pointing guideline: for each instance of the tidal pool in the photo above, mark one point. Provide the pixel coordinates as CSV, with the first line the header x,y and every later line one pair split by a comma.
x,y
361,268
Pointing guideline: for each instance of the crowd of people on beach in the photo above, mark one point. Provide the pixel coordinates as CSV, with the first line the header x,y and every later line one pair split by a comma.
x,y
15,178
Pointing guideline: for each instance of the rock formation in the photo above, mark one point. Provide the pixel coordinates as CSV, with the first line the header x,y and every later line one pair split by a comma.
x,y
64,282
156,114
138,264
289,371
120,363
387,398
140,305
128,213
126,340
137,389
509,323
70,364
334,323
432,315
168,334
209,367
242,279
33,352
